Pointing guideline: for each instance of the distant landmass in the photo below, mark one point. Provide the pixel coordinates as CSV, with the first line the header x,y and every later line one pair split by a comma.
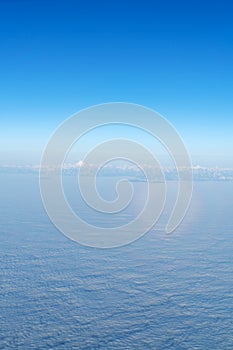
x,y
132,172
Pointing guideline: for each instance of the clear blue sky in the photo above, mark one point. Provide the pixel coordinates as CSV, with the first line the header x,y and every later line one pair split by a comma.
x,y
60,56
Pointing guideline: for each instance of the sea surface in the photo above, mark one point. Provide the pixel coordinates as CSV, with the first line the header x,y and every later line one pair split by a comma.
x,y
160,292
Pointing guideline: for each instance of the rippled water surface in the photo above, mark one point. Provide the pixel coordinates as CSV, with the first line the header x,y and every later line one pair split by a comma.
x,y
160,292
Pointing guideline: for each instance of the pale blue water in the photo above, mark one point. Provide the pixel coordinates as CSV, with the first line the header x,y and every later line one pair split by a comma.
x,y
161,292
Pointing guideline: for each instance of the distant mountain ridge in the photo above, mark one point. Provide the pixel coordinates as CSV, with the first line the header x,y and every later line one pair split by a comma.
x,y
133,172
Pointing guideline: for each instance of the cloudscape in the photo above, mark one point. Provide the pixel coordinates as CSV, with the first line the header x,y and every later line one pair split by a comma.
x,y
116,175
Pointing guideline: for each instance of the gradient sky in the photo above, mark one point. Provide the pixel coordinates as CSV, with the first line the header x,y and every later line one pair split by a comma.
x,y
58,57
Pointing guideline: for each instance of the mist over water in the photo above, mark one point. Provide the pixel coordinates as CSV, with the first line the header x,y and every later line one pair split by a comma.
x,y
160,292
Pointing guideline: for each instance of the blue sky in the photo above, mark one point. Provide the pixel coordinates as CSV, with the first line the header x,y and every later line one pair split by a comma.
x,y
60,56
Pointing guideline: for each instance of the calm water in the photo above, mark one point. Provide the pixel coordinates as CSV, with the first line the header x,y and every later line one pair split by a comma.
x,y
161,292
